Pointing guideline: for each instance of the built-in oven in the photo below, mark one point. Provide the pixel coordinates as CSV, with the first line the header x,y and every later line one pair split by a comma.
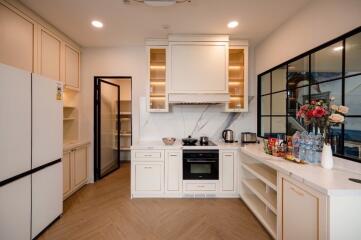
x,y
200,164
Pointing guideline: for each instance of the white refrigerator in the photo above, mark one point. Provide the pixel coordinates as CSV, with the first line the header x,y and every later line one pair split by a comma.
x,y
31,129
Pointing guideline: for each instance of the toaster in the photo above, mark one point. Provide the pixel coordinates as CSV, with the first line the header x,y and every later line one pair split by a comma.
x,y
248,137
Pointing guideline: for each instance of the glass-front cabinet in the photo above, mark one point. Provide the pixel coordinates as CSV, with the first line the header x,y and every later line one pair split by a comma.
x,y
238,79
157,73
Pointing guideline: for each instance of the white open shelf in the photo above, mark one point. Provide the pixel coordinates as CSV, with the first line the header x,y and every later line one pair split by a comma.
x,y
264,173
267,196
259,209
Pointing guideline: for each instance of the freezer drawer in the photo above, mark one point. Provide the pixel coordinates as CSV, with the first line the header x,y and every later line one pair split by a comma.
x,y
15,209
15,122
47,122
47,197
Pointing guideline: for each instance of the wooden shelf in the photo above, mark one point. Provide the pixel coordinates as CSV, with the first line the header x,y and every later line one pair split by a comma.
x,y
123,134
259,189
69,107
125,113
264,173
69,119
122,148
268,219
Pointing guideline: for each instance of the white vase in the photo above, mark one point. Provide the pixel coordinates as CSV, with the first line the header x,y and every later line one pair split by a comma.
x,y
327,157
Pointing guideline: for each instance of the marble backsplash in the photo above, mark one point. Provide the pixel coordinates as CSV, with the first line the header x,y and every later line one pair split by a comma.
x,y
195,120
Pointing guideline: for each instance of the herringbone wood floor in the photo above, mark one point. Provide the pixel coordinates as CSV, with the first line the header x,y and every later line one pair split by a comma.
x,y
104,211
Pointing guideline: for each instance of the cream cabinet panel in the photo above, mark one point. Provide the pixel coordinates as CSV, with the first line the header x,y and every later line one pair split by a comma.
x,y
173,171
66,173
198,68
80,166
16,39
72,66
50,55
148,177
228,171
300,213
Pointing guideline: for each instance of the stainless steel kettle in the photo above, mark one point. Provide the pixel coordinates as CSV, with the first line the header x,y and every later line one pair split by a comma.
x,y
228,136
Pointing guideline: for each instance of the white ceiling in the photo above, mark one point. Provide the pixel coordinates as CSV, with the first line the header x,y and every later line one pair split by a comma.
x,y
131,24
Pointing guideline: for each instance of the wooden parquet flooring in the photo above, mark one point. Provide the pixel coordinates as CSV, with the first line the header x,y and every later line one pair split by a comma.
x,y
104,211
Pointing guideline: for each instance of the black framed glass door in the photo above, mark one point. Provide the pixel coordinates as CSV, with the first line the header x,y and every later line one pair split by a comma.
x,y
106,128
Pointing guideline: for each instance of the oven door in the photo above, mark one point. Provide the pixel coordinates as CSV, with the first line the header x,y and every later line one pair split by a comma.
x,y
199,165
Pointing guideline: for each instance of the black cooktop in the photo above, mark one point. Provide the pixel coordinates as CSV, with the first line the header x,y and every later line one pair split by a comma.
x,y
209,143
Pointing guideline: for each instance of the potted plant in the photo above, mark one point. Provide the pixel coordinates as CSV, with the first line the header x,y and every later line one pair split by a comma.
x,y
323,115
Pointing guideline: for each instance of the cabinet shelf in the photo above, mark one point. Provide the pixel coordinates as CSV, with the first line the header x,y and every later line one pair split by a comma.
x,y
264,173
267,218
259,189
69,119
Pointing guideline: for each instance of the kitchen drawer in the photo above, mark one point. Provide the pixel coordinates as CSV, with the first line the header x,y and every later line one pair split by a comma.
x,y
149,155
200,187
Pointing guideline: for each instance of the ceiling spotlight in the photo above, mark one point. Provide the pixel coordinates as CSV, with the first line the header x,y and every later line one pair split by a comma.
x,y
232,24
97,24
339,48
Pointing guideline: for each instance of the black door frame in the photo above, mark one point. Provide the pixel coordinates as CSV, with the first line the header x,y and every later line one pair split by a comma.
x,y
97,122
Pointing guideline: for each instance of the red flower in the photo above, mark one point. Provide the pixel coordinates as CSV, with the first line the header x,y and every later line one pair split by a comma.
x,y
304,108
309,114
319,112
313,102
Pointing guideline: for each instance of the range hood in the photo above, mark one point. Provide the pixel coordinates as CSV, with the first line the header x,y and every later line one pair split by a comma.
x,y
192,98
198,69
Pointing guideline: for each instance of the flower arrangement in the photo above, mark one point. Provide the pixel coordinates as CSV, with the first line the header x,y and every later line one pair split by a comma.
x,y
323,114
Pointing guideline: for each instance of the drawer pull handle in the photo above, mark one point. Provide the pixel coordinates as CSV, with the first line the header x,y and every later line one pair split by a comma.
x,y
201,186
147,155
173,155
147,167
298,192
228,155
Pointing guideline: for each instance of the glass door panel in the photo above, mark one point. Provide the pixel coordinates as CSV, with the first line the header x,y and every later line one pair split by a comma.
x,y
157,75
236,79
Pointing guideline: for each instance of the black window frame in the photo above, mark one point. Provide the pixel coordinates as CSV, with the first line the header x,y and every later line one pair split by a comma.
x,y
308,54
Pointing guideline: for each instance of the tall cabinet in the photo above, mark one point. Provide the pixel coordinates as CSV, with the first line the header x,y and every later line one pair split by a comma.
x,y
238,77
157,52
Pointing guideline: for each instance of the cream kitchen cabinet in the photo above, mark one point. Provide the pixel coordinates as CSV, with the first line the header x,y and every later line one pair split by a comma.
x,y
75,169
30,43
303,212
238,77
228,171
71,67
49,54
18,38
157,52
173,172
147,173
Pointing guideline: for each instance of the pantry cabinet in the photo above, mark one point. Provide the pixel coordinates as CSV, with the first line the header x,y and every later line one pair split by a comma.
x,y
18,38
49,55
308,205
75,169
72,67
173,171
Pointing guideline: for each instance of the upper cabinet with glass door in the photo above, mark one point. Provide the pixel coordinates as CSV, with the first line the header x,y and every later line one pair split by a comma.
x,y
238,78
157,89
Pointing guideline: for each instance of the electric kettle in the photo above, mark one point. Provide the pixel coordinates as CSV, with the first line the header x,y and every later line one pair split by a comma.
x,y
228,136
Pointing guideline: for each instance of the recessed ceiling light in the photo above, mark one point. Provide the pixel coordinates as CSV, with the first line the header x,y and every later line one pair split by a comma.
x,y
232,24
97,24
339,48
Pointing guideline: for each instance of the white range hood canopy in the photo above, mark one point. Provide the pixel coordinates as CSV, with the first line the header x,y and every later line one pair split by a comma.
x,y
192,98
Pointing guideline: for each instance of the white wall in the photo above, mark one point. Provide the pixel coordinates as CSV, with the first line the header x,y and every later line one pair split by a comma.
x,y
319,22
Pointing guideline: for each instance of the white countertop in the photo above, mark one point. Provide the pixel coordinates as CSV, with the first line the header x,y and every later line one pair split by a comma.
x,y
330,182
144,145
74,144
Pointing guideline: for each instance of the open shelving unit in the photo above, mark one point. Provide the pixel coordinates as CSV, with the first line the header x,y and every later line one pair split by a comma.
x,y
70,124
258,189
